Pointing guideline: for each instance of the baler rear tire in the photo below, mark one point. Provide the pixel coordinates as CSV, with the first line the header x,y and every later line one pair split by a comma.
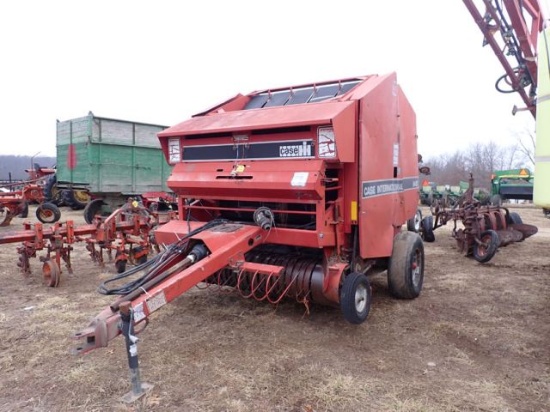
x,y
406,268
427,231
485,252
414,223
355,298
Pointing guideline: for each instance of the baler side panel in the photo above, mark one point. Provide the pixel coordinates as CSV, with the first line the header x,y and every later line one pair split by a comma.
x,y
408,161
378,134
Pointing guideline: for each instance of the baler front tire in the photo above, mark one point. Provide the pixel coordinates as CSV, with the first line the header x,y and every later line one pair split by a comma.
x,y
355,298
406,268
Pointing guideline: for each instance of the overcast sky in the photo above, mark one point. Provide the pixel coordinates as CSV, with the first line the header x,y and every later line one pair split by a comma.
x,y
160,62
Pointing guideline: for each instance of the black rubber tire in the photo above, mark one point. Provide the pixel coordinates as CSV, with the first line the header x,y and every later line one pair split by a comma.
x,y
513,218
25,211
120,266
142,259
427,231
51,193
355,298
48,213
72,199
485,252
406,268
414,224
93,208
496,200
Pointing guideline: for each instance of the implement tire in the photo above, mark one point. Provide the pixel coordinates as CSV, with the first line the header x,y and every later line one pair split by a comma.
x,y
485,251
92,209
51,192
414,223
24,210
427,231
48,213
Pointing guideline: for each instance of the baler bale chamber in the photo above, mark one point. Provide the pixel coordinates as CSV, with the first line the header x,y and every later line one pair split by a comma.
x,y
328,174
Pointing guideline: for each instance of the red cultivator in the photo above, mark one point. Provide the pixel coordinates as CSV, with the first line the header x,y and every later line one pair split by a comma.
x,y
485,228
126,232
16,201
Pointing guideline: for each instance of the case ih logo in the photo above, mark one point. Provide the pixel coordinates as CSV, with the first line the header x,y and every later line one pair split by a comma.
x,y
302,150
385,187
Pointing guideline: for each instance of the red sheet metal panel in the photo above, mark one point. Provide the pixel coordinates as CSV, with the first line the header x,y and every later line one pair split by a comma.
x,y
408,160
266,118
382,165
276,180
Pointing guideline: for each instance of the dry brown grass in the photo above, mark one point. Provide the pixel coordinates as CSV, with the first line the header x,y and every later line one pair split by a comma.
x,y
476,340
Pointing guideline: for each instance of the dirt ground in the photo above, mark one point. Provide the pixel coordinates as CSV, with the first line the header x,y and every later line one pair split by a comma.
x,y
477,339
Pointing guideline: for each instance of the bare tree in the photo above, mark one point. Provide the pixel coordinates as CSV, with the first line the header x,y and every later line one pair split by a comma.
x,y
480,159
526,142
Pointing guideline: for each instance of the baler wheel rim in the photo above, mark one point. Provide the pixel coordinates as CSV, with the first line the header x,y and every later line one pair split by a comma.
x,y
51,273
355,298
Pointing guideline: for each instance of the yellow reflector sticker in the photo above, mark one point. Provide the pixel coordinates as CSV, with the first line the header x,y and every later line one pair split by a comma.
x,y
354,210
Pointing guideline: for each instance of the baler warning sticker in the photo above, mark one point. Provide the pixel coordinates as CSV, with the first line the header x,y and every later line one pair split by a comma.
x,y
375,188
299,179
139,313
156,302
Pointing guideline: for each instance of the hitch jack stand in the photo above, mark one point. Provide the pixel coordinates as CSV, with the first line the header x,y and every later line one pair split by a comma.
x,y
127,328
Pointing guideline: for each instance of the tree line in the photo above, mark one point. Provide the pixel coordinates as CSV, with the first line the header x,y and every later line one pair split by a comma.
x,y
481,160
